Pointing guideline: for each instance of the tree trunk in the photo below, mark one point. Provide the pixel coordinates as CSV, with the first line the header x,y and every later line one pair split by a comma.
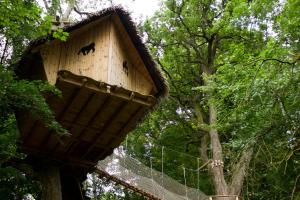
x,y
51,186
239,172
222,191
217,164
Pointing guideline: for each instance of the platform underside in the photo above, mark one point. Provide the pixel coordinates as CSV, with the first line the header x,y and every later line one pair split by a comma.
x,y
98,117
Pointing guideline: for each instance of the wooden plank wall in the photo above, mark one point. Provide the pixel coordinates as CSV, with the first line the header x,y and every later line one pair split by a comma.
x,y
113,48
138,78
50,53
64,55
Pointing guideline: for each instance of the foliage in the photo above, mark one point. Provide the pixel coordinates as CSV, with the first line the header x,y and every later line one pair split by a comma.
x,y
22,95
252,80
254,85
20,22
61,35
18,185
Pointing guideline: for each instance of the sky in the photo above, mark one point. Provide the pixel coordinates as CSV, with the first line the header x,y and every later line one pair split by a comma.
x,y
140,8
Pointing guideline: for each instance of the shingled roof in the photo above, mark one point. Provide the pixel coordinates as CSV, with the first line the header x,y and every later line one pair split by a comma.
x,y
131,29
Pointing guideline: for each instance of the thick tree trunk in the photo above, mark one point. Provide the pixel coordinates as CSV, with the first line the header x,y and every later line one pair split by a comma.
x,y
51,186
222,190
217,164
239,172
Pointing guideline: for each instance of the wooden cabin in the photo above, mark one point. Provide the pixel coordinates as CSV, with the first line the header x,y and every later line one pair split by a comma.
x,y
108,82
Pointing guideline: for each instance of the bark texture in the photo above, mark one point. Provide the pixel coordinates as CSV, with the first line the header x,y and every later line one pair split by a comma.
x,y
223,189
51,185
217,164
239,172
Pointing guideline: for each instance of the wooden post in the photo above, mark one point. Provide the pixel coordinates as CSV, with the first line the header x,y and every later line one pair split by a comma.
x,y
51,186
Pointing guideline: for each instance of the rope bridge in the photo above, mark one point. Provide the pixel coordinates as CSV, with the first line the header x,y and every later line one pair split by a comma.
x,y
155,185
125,184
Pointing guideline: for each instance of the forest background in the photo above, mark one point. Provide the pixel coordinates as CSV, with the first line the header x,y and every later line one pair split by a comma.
x,y
233,72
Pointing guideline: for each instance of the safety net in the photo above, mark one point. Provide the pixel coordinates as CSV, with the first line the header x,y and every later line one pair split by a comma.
x,y
129,171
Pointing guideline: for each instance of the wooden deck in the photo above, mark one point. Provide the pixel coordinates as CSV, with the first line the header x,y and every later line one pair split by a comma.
x,y
97,115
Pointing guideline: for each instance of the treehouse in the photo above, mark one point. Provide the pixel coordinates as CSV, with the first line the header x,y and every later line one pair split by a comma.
x,y
108,82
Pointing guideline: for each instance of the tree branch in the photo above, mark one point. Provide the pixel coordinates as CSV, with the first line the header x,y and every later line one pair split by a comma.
x,y
68,11
164,70
280,61
283,109
179,100
81,12
22,166
4,51
295,186
184,24
227,37
239,171
46,5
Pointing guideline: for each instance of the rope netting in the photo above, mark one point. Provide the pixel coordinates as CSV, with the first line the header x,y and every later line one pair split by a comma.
x,y
134,173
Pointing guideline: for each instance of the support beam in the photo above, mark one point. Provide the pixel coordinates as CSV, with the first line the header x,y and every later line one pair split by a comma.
x,y
51,185
111,121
